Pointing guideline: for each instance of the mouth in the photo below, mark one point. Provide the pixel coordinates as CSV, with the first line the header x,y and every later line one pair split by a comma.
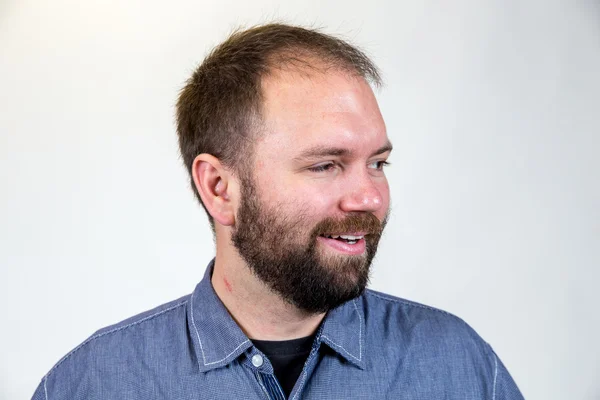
x,y
346,243
345,237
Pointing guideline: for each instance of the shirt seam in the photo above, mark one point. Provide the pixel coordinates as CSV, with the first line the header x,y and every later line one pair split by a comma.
x,y
93,337
418,305
304,372
410,303
360,325
45,388
495,376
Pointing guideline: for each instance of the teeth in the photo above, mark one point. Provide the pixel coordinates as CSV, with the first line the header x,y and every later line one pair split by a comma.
x,y
345,237
348,237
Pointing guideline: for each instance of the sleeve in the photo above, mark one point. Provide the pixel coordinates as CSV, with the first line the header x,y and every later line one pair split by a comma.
x,y
504,387
40,392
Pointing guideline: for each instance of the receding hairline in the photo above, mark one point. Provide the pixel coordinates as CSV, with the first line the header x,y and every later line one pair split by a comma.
x,y
307,66
308,47
307,61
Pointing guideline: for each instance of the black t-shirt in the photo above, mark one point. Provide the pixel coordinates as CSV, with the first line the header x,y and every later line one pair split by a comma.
x,y
287,357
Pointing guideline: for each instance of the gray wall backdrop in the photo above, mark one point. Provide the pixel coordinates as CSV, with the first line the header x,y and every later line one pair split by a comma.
x,y
493,107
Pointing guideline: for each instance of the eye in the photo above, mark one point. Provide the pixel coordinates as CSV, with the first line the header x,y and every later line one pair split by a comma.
x,y
379,165
322,167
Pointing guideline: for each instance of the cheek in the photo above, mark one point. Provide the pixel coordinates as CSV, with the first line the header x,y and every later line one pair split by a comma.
x,y
320,201
293,201
311,205
384,191
305,207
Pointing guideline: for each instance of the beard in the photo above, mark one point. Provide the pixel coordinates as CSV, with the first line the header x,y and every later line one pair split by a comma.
x,y
277,250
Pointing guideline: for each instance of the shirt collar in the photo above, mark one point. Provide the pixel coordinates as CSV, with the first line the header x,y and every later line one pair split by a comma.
x,y
344,331
218,340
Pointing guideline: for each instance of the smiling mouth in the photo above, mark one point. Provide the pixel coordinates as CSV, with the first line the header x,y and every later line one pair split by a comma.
x,y
350,239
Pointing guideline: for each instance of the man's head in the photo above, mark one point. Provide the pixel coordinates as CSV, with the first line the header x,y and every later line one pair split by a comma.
x,y
285,144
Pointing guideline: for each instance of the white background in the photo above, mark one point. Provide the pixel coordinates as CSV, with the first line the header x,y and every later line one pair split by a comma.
x,y
493,108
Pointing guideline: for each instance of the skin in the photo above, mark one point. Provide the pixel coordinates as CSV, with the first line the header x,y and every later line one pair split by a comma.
x,y
301,111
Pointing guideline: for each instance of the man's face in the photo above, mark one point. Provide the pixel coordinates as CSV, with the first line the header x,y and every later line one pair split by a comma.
x,y
313,208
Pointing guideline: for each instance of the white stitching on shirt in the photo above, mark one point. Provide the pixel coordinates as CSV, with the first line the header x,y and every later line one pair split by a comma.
x,y
359,358
277,386
495,376
45,389
112,331
341,347
196,328
234,350
303,378
200,341
281,391
359,330
261,384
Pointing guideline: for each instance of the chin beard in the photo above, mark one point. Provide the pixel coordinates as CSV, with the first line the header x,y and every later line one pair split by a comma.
x,y
301,273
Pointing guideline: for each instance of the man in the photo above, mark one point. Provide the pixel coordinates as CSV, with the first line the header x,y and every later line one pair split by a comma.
x,y
286,147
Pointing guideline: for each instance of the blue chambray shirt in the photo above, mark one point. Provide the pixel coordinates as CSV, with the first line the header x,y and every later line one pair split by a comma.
x,y
374,347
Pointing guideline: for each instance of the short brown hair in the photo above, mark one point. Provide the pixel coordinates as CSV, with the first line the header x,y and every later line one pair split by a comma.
x,y
219,107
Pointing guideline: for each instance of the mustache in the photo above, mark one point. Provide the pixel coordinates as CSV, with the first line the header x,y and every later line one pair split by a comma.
x,y
367,223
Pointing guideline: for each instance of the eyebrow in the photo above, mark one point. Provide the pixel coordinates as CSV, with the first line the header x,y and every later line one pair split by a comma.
x,y
325,151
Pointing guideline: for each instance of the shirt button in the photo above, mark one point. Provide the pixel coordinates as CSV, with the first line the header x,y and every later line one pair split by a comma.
x,y
257,360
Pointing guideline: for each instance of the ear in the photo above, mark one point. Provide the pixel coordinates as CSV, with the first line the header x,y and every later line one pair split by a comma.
x,y
212,181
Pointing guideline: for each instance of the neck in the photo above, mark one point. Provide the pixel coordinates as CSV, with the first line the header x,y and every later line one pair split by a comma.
x,y
261,313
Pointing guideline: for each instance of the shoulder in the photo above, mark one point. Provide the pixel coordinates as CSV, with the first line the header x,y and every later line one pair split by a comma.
x,y
139,338
410,311
142,320
422,326
407,312
424,341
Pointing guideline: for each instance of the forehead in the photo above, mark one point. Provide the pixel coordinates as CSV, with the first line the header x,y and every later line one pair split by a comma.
x,y
307,109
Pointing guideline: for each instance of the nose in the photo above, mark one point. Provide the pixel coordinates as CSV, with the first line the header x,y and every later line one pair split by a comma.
x,y
362,194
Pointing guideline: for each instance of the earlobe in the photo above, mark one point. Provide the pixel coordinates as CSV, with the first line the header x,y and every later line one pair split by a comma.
x,y
211,181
